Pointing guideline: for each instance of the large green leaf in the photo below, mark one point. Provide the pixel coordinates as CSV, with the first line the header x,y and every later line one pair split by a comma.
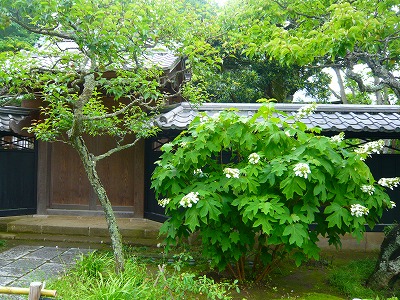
x,y
209,208
337,215
293,185
297,233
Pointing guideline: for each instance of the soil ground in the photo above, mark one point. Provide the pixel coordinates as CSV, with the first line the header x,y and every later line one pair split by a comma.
x,y
290,282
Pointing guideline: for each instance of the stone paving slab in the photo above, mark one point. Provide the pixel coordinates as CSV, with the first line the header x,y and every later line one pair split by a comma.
x,y
21,265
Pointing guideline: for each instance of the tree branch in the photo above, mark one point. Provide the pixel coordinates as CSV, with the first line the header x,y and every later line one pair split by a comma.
x,y
114,150
360,82
48,32
111,115
334,93
299,13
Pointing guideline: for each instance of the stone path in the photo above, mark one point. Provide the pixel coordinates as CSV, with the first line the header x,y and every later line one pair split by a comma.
x,y
21,265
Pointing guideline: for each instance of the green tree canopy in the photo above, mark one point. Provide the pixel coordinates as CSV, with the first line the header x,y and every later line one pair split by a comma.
x,y
90,51
244,79
322,33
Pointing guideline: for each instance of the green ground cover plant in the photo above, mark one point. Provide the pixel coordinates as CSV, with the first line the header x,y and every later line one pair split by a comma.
x,y
350,280
338,275
94,278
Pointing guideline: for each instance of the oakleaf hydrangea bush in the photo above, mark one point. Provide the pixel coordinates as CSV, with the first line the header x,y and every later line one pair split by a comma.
x,y
257,188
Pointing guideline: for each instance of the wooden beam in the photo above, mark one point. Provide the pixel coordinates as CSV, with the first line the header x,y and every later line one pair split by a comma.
x,y
25,291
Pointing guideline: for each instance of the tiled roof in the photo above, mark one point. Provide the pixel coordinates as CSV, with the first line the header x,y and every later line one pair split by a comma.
x,y
156,57
10,115
163,59
356,120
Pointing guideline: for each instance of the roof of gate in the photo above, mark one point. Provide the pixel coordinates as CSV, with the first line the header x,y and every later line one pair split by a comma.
x,y
12,115
381,121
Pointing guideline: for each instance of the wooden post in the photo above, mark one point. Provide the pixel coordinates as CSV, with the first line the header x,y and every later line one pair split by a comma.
x,y
34,291
24,291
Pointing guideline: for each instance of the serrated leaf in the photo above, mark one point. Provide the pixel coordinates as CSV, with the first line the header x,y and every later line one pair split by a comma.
x,y
251,210
264,222
337,216
278,168
296,232
265,207
298,258
225,243
310,211
293,185
234,237
192,219
320,189
210,208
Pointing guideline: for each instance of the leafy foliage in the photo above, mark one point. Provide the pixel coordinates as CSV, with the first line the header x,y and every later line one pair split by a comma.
x,y
319,33
246,79
262,187
94,73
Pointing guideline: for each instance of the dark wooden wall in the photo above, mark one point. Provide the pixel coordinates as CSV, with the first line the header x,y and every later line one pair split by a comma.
x,y
63,185
17,182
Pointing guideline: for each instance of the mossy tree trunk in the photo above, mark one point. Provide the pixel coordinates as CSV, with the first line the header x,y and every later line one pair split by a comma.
x,y
89,163
387,268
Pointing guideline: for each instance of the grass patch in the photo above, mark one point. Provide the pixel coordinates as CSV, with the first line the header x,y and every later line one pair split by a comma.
x,y
93,278
151,274
320,296
350,280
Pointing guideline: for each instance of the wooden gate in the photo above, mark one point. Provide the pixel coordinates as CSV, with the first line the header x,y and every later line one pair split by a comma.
x,y
17,175
152,210
387,166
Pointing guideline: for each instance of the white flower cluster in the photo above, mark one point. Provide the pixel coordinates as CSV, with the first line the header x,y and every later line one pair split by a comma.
x,y
358,210
163,202
254,158
338,138
301,170
389,182
305,111
369,189
371,147
199,173
392,204
189,199
231,173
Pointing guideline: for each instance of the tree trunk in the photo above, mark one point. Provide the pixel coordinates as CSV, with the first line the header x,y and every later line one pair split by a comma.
x,y
90,167
378,94
387,269
343,96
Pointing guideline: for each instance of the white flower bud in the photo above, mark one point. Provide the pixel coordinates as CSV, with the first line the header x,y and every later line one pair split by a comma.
x,y
389,182
369,189
301,170
189,199
254,158
231,173
358,210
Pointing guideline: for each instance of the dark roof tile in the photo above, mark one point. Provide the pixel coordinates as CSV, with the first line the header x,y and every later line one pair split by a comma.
x,y
8,114
374,119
